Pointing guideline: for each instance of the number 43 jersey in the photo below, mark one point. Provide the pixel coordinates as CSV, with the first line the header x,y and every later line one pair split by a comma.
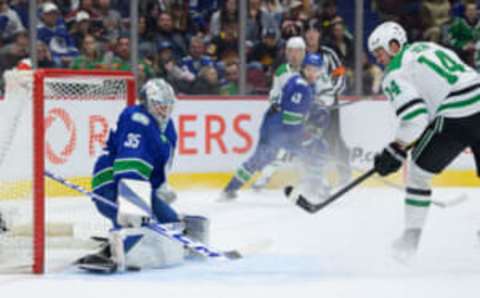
x,y
425,80
138,149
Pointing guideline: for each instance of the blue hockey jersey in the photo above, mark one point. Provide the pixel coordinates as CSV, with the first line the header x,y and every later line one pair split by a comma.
x,y
284,123
138,149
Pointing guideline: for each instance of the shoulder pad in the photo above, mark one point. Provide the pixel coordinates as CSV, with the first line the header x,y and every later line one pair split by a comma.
x,y
281,70
140,118
301,81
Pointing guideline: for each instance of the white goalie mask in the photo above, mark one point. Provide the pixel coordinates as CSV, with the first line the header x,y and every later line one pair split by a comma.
x,y
159,98
384,34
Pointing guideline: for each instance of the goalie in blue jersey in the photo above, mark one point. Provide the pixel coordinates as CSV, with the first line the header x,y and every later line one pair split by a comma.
x,y
283,124
133,168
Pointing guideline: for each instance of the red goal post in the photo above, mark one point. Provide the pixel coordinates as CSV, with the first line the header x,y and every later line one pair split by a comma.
x,y
47,114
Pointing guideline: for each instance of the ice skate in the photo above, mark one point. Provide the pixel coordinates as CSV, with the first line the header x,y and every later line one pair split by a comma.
x,y
405,248
227,196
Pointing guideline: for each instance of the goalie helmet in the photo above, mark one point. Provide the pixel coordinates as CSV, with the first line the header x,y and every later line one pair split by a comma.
x,y
384,34
159,98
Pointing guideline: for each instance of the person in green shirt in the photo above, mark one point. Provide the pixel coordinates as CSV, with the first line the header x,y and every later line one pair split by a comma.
x,y
121,60
90,57
231,76
465,32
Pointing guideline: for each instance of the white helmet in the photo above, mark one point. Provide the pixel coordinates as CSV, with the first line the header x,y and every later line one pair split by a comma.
x,y
384,34
159,98
296,42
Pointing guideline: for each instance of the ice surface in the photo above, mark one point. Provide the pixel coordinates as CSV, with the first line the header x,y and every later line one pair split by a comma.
x,y
341,251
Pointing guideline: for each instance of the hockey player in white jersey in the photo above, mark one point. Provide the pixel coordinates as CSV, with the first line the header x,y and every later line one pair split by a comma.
x,y
436,98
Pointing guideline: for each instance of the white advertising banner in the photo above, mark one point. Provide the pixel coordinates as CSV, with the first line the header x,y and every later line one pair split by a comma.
x,y
214,134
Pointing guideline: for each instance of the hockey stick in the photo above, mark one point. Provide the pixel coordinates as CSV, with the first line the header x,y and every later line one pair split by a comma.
x,y
457,200
303,203
153,225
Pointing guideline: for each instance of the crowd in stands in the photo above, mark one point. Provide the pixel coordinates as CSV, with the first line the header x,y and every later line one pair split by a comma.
x,y
194,44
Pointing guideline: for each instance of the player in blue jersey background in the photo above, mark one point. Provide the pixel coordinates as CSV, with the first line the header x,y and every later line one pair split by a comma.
x,y
282,126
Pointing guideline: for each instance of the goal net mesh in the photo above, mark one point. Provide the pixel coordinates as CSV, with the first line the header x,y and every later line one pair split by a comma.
x,y
59,121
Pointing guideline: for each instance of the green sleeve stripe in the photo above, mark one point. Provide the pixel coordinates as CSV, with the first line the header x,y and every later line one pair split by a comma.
x,y
140,166
459,104
292,118
417,203
102,178
414,114
281,70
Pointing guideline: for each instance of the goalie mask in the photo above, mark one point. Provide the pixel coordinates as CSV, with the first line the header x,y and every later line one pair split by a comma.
x,y
159,98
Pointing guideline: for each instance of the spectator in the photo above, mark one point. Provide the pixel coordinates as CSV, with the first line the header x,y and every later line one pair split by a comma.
x,y
206,82
110,20
85,5
342,44
197,58
293,21
12,53
21,8
44,57
226,15
52,31
90,56
10,23
166,67
80,28
268,52
465,33
275,9
166,32
230,86
257,21
179,12
121,60
146,44
224,47
325,16
372,77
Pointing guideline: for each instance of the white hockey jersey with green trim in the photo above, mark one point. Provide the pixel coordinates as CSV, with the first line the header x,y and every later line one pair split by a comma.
x,y
281,76
425,80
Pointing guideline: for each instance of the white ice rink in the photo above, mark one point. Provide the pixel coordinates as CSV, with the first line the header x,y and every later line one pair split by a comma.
x,y
342,251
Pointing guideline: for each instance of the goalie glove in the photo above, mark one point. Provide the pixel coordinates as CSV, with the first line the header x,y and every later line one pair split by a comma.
x,y
390,159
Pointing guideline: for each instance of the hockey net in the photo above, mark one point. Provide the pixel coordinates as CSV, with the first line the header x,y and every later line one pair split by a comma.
x,y
56,120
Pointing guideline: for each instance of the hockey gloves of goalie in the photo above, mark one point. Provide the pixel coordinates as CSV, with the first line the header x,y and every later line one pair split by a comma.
x,y
390,159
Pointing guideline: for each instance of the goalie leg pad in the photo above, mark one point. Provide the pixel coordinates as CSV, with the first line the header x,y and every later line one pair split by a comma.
x,y
154,251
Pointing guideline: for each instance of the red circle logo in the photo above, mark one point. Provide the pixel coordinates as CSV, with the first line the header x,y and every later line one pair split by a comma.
x,y
66,152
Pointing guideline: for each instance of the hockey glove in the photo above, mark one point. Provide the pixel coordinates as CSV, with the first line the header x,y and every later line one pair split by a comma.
x,y
390,160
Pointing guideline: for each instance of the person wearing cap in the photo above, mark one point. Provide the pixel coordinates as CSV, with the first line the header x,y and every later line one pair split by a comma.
x,y
81,27
283,127
268,51
53,32
10,23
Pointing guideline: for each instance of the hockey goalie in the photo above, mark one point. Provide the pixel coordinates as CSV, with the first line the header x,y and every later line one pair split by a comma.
x,y
133,169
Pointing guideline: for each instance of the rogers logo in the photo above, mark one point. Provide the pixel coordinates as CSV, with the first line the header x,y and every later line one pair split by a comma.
x,y
61,115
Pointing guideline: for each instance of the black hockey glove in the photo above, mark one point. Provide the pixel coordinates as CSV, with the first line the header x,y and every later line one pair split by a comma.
x,y
390,160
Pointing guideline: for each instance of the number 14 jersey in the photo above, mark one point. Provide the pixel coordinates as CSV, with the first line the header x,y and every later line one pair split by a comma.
x,y
425,80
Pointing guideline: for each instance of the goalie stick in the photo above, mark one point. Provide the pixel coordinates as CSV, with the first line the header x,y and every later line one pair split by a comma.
x,y
154,225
